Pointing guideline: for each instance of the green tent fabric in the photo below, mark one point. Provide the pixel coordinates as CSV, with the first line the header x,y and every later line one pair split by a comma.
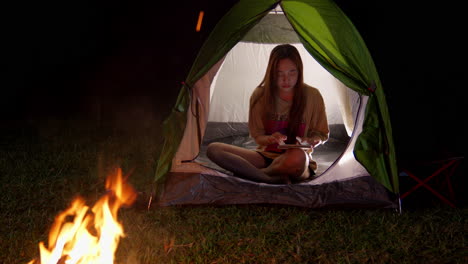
x,y
331,38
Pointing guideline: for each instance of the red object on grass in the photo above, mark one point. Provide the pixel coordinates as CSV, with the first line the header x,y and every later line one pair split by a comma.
x,y
446,167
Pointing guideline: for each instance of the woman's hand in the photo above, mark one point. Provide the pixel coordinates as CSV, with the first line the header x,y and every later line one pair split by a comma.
x,y
277,137
314,140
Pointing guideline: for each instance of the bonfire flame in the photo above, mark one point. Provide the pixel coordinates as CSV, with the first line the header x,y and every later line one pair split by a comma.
x,y
80,235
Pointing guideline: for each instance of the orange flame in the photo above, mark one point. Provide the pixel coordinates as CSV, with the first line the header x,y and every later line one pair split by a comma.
x,y
80,235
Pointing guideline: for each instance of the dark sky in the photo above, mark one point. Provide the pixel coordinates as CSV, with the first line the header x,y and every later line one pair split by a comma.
x,y
59,52
61,57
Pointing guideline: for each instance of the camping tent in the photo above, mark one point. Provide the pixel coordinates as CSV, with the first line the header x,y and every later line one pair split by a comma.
x,y
358,167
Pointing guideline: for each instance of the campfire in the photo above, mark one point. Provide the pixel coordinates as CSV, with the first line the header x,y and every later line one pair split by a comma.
x,y
81,234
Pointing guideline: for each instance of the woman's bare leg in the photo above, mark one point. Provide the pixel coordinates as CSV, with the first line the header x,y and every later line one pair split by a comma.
x,y
294,163
242,162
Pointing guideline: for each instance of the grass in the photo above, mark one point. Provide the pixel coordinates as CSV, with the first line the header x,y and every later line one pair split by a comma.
x,y
43,169
258,234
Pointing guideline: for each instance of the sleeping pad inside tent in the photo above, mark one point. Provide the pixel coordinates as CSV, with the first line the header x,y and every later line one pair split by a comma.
x,y
213,106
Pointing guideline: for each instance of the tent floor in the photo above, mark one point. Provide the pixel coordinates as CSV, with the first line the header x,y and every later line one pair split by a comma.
x,y
202,189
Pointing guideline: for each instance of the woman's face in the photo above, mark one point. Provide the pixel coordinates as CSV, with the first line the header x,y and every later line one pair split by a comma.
x,y
286,75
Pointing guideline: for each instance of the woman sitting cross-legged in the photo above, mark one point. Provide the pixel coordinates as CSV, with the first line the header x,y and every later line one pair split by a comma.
x,y
283,109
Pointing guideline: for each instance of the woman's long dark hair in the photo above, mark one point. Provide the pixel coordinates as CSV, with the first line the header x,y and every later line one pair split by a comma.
x,y
269,89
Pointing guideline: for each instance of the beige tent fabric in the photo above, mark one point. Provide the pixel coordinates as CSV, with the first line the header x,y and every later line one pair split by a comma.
x,y
189,145
346,98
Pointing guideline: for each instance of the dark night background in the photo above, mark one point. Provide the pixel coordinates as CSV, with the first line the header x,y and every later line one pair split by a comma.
x,y
121,62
